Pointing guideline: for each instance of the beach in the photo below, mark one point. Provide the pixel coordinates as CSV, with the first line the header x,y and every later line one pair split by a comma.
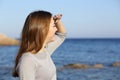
x,y
89,52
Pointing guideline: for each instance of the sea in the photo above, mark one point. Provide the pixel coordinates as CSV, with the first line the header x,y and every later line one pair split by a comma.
x,y
74,51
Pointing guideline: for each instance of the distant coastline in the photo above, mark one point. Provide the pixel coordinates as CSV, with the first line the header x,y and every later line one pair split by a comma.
x,y
93,38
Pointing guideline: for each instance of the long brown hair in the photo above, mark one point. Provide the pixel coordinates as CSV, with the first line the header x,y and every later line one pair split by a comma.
x,y
33,35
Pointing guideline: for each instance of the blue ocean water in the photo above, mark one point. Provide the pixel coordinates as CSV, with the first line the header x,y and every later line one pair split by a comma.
x,y
85,51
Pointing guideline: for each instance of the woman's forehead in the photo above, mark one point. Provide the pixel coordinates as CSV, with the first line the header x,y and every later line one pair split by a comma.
x,y
52,19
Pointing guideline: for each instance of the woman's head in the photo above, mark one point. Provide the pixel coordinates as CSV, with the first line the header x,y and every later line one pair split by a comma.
x,y
51,32
35,31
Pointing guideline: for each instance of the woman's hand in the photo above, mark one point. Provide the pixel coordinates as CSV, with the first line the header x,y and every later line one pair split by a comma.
x,y
58,23
57,17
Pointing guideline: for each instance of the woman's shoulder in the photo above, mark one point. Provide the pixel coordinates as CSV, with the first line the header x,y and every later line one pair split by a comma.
x,y
26,61
26,58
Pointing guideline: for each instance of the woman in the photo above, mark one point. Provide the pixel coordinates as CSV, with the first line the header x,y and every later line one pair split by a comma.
x,y
41,35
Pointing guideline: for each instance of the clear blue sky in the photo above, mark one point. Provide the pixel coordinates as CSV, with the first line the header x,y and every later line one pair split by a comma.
x,y
82,18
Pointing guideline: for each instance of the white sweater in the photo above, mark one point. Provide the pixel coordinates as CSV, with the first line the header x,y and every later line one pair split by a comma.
x,y
40,66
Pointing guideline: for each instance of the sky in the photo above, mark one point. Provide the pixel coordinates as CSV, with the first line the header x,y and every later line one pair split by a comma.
x,y
81,18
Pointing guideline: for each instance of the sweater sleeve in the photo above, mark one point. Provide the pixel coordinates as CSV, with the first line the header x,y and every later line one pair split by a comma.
x,y
26,69
59,38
